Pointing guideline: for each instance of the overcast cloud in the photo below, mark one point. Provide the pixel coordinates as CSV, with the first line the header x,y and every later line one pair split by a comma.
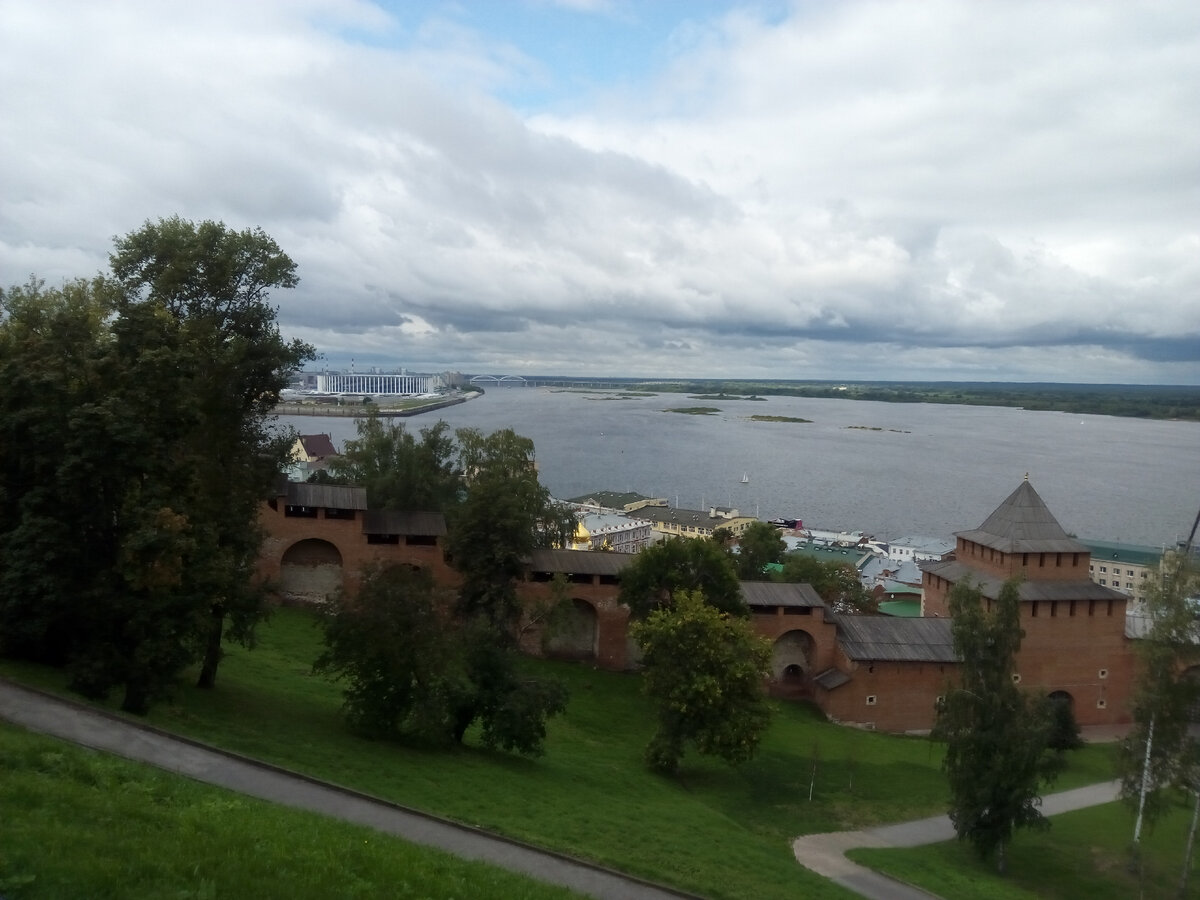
x,y
853,190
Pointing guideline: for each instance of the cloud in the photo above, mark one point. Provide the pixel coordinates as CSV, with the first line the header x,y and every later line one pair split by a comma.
x,y
862,189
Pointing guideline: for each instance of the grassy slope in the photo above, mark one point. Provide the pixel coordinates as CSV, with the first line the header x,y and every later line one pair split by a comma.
x,y
78,823
718,831
1085,854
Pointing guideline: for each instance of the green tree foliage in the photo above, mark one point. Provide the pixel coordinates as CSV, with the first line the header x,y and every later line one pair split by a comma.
x,y
662,571
141,466
396,650
399,471
996,735
760,544
835,581
705,671
504,517
1159,757
57,538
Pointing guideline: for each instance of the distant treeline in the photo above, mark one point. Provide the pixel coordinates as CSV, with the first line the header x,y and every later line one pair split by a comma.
x,y
1133,400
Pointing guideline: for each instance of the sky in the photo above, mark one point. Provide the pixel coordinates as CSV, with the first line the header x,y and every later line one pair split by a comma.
x,y
966,190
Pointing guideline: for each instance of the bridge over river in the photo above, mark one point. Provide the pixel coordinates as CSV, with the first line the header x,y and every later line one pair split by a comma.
x,y
562,381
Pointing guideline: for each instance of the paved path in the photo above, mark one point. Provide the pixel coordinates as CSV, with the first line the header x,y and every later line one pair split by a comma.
x,y
81,724
822,853
825,854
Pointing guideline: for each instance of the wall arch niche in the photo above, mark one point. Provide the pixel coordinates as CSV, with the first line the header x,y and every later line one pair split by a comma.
x,y
311,572
791,657
573,635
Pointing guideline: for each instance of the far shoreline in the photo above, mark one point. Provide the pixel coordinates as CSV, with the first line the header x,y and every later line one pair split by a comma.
x,y
359,410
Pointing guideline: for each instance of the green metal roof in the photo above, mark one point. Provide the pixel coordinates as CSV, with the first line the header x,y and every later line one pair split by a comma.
x,y
1124,553
901,609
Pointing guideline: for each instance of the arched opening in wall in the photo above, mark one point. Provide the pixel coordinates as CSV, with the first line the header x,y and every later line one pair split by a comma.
x,y
1062,697
571,632
791,661
310,572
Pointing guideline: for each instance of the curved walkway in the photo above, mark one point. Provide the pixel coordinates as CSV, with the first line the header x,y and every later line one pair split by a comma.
x,y
825,854
48,714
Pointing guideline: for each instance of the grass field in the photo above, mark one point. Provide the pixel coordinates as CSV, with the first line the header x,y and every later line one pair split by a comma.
x,y
714,830
1085,854
91,825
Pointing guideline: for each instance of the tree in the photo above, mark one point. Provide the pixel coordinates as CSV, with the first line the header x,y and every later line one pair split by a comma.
x,y
213,285
397,651
56,537
662,571
705,671
760,545
139,470
996,735
835,581
397,470
505,515
1159,757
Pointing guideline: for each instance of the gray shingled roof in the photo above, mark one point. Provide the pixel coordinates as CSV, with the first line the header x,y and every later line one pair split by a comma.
x,y
390,521
832,678
1023,524
579,562
769,593
990,585
888,639
327,496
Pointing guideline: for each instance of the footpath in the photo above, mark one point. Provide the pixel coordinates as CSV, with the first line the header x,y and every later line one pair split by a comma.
x,y
100,730
825,854
822,853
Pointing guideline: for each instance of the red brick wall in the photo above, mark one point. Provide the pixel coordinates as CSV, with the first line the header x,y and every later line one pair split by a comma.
x,y
346,535
905,694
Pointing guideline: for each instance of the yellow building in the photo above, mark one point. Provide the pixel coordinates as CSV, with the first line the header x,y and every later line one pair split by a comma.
x,y
692,523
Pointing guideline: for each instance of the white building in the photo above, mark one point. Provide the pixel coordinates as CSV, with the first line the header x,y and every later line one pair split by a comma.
x,y
915,548
376,383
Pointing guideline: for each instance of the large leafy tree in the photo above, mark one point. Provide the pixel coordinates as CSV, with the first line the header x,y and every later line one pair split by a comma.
x,y
996,735
398,470
57,480
705,671
207,287
1159,759
662,571
396,650
505,515
836,582
138,469
759,545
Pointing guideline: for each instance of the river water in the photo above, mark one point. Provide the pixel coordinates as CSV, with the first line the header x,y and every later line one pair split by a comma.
x,y
889,469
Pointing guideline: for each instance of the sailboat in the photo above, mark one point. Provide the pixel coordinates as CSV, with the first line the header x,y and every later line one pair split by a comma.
x,y
745,478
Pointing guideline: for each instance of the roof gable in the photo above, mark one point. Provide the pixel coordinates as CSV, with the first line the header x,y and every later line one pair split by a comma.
x,y
1023,524
318,445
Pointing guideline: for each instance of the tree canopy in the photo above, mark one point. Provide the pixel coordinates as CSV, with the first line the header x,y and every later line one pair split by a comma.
x,y
1159,759
705,670
759,545
836,582
399,471
996,735
136,472
662,571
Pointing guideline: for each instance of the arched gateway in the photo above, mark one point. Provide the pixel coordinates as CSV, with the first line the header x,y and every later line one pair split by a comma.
x,y
311,571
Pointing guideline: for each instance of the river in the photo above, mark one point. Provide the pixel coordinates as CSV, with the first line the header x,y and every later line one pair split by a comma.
x,y
889,469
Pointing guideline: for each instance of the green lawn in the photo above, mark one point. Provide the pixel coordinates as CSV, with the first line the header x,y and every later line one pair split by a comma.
x,y
77,823
718,831
1085,854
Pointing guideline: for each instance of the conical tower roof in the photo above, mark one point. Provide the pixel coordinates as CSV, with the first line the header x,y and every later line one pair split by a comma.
x,y
1024,524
